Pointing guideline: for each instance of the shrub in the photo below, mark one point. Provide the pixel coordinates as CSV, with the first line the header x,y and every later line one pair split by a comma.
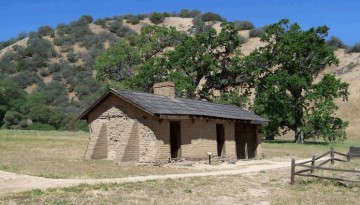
x,y
354,49
209,16
22,35
114,26
124,31
243,25
81,125
54,67
166,14
42,47
55,93
72,57
198,25
79,32
14,120
186,13
46,31
89,58
7,67
62,29
64,40
40,126
101,22
256,32
26,78
85,20
335,43
142,16
157,18
133,20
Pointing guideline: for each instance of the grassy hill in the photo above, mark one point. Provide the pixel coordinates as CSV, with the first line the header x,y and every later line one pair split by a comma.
x,y
58,63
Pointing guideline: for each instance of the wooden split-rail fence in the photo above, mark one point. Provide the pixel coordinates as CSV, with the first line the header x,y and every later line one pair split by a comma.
x,y
311,165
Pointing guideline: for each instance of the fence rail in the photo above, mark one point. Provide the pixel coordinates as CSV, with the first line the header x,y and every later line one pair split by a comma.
x,y
313,166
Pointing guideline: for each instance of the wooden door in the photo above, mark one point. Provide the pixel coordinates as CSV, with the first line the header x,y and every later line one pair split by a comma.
x,y
220,139
175,139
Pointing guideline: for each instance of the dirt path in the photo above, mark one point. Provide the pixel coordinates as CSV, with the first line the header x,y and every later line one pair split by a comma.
x,y
12,182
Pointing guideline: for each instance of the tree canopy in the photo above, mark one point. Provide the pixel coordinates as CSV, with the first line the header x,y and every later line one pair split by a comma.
x,y
284,74
201,66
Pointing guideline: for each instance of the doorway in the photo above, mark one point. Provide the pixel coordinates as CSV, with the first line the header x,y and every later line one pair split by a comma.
x,y
175,140
245,139
220,139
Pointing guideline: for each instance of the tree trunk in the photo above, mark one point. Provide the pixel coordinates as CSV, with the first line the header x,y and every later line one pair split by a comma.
x,y
299,115
299,136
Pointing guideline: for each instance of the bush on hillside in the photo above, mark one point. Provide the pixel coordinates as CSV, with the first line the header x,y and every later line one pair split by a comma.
x,y
335,43
101,22
58,67
157,18
11,41
55,93
186,13
124,31
64,40
256,32
133,20
46,31
198,25
142,16
31,64
72,57
7,65
42,47
209,16
62,29
243,25
79,32
354,49
26,78
114,26
89,58
85,20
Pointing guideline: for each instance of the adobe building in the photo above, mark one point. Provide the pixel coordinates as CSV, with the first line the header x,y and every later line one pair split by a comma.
x,y
128,126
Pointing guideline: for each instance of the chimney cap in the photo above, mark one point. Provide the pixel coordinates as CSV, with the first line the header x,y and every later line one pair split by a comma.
x,y
164,84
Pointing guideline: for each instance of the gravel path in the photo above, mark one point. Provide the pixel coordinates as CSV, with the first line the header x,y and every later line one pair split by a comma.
x,y
12,182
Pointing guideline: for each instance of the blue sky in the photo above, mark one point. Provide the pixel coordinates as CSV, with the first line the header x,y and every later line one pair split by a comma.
x,y
342,16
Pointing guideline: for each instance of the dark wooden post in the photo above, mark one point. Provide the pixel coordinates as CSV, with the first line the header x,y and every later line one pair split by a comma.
x,y
292,177
348,156
209,159
312,163
332,154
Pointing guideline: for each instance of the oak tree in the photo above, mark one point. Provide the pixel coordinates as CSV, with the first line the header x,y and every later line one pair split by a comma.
x,y
284,74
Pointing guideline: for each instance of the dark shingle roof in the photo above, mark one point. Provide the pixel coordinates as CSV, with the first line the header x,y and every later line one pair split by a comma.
x,y
161,105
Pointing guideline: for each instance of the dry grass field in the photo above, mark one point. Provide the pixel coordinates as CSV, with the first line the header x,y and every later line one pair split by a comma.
x,y
270,187
60,155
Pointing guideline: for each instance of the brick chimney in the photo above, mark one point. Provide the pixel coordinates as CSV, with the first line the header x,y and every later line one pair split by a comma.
x,y
166,89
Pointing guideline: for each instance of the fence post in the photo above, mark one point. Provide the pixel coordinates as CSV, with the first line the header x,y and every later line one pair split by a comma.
x,y
292,177
312,163
332,154
348,156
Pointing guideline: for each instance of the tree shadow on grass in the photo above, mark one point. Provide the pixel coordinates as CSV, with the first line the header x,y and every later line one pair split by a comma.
x,y
292,142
